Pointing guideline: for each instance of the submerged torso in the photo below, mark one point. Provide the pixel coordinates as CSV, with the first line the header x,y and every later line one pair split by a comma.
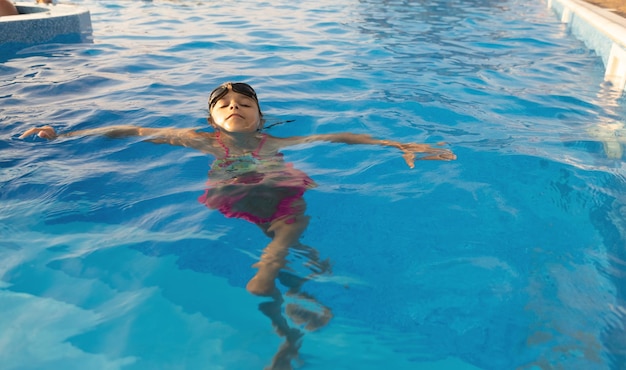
x,y
254,186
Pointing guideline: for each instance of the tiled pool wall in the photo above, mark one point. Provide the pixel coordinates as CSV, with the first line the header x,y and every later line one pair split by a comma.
x,y
602,31
38,24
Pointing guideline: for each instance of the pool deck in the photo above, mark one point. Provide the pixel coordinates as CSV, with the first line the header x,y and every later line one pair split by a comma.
x,y
615,6
601,25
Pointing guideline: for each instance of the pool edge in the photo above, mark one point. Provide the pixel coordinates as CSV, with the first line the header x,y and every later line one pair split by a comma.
x,y
45,23
602,31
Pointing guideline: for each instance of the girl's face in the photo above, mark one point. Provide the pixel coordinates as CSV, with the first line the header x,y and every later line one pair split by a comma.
x,y
235,112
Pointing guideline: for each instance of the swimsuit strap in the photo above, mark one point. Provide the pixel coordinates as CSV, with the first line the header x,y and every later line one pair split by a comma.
x,y
226,151
255,153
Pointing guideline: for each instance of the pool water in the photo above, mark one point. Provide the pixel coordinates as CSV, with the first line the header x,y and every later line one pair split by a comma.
x,y
510,257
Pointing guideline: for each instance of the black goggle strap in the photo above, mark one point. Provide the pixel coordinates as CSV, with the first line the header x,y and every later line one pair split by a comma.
x,y
278,123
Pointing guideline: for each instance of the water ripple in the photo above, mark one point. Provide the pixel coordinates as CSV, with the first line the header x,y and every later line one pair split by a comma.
x,y
510,257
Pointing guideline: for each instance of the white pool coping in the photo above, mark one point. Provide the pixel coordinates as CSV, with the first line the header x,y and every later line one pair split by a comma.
x,y
41,23
602,31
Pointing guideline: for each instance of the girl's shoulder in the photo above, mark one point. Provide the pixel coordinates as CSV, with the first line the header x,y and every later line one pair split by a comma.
x,y
197,138
199,132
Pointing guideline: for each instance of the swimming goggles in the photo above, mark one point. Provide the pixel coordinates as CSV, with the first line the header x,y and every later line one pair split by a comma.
x,y
238,87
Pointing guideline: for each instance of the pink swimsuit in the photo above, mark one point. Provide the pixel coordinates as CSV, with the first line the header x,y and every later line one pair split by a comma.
x,y
256,188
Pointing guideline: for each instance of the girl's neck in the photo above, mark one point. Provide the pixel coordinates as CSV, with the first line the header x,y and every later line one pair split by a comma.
x,y
238,142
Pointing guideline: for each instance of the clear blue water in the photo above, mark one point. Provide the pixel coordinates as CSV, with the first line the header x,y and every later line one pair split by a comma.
x,y
511,257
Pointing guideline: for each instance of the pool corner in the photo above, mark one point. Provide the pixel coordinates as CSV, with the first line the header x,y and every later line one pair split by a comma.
x,y
602,31
39,23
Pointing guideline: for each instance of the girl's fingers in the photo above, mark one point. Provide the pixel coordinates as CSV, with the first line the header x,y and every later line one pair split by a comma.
x,y
45,132
409,158
436,154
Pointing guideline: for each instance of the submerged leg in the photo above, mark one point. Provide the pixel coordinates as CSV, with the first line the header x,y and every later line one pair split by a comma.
x,y
305,309
285,233
308,311
288,350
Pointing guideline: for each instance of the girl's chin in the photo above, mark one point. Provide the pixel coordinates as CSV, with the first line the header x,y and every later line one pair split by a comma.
x,y
239,130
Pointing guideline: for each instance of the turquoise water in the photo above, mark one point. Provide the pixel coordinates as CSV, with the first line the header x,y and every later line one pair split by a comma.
x,y
510,257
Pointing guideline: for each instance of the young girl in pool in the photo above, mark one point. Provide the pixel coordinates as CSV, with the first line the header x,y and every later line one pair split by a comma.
x,y
249,179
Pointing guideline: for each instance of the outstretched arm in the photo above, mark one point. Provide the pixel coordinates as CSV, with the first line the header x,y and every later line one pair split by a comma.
x,y
48,132
408,149
174,136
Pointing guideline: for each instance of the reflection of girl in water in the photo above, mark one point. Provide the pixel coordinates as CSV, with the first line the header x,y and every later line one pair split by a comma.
x,y
249,179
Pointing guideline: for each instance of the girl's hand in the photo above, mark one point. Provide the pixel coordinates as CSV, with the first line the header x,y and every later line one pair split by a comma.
x,y
45,132
432,153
